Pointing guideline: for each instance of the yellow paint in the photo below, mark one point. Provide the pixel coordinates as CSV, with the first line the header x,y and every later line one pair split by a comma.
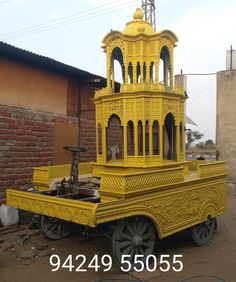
x,y
172,201
142,100
45,176
174,193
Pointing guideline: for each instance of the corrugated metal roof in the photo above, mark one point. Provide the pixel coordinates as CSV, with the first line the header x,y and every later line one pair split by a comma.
x,y
189,120
7,50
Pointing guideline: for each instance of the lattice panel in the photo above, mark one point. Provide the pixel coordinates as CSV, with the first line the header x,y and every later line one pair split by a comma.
x,y
113,107
152,180
170,106
141,181
112,183
116,43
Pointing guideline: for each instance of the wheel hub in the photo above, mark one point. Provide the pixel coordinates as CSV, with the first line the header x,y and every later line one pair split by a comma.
x,y
137,240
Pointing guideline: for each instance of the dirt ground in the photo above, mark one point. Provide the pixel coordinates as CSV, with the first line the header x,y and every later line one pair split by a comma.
x,y
24,256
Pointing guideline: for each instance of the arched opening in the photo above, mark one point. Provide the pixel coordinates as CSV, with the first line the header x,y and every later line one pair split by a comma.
x,y
117,68
114,137
155,138
169,138
164,67
181,137
140,138
130,73
99,134
147,138
137,79
130,138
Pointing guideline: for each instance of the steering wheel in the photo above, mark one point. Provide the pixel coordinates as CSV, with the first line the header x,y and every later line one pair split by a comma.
x,y
74,149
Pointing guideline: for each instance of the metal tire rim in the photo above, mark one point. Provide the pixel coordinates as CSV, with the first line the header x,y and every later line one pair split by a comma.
x,y
203,232
135,236
54,228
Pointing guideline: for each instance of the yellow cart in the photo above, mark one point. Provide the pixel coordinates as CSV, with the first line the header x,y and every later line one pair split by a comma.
x,y
140,185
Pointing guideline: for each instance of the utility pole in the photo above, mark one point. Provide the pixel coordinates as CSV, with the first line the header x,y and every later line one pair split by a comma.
x,y
149,8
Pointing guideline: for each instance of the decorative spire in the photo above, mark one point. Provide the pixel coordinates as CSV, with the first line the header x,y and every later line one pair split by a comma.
x,y
138,14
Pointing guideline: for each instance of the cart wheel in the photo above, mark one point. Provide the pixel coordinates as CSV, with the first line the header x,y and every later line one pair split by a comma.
x,y
134,236
203,232
54,228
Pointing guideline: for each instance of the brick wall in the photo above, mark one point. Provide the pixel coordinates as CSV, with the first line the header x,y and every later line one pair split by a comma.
x,y
87,136
26,141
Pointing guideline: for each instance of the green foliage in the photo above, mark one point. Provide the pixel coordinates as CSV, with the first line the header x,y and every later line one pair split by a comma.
x,y
208,144
192,136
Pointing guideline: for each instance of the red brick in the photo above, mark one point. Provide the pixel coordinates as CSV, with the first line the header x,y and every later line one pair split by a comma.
x,y
13,126
7,120
5,113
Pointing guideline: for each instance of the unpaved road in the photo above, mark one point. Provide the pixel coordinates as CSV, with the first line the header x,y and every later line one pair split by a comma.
x,y
24,256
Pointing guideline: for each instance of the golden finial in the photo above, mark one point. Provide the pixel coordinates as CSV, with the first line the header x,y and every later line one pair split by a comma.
x,y
138,14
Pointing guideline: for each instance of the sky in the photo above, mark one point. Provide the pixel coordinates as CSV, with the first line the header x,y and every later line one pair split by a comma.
x,y
71,32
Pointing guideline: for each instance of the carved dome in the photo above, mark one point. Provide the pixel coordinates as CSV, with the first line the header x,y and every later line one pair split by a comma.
x,y
138,26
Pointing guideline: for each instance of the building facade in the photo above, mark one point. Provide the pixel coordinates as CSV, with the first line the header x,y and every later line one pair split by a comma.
x,y
226,116
44,105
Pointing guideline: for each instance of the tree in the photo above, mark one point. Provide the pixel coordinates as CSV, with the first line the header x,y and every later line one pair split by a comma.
x,y
192,136
208,144
200,145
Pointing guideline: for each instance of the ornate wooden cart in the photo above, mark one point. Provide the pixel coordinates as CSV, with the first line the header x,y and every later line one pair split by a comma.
x,y
141,186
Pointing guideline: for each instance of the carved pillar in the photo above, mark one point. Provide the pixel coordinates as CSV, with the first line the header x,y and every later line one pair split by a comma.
x,y
150,140
171,77
104,144
178,142
125,142
108,75
136,140
135,72
112,76
165,73
148,64
161,137
144,141
126,73
141,72
156,64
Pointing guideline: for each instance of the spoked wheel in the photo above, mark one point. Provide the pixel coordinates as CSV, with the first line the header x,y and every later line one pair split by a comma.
x,y
134,236
203,232
54,228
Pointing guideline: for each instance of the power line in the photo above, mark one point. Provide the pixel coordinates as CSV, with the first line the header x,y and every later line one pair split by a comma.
x,y
210,73
61,22
4,2
59,19
202,91
69,19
